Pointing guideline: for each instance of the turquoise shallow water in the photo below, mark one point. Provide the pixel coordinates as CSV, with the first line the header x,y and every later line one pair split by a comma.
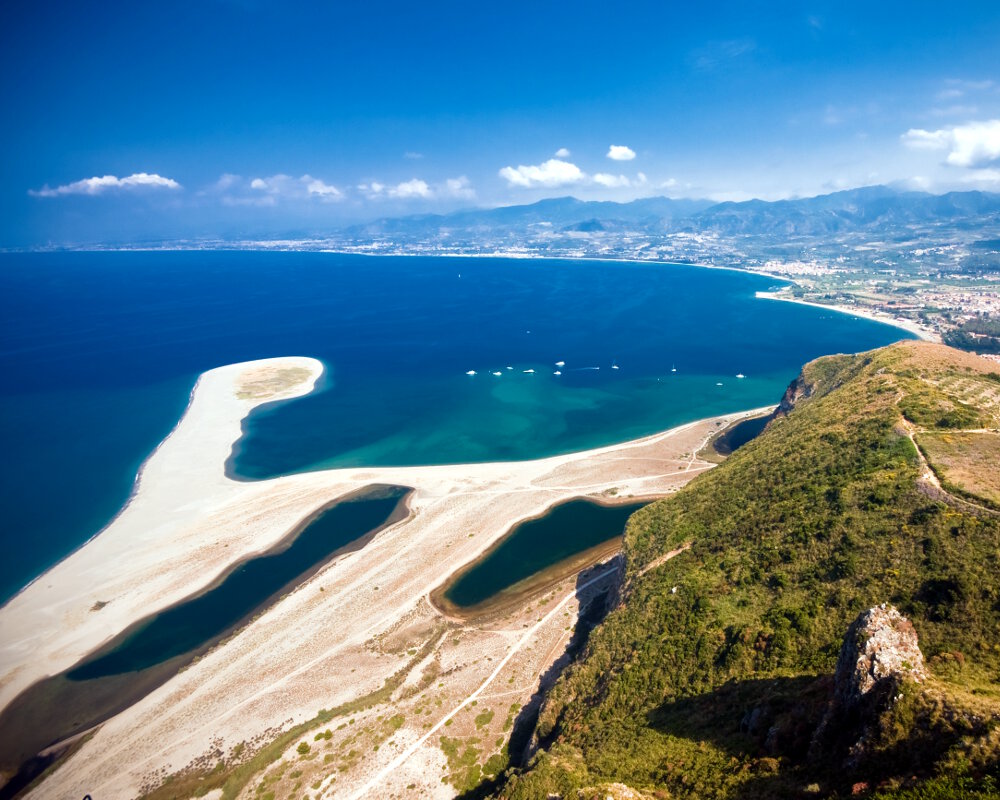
x,y
99,352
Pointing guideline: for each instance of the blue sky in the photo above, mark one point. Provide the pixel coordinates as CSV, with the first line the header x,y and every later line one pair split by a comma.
x,y
253,118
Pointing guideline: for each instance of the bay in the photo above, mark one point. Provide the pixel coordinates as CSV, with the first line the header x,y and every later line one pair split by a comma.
x,y
99,352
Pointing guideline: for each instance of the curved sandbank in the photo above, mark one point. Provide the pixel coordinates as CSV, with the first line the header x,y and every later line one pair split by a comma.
x,y
122,571
318,646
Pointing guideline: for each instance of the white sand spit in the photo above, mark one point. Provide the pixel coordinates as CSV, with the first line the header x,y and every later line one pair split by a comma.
x,y
337,637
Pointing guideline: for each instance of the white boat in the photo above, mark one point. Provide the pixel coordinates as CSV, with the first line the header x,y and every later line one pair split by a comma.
x,y
528,371
560,364
557,372
740,375
673,369
719,384
614,366
510,368
471,372
498,373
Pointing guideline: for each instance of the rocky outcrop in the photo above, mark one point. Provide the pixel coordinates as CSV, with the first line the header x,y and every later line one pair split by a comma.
x,y
879,653
880,645
799,389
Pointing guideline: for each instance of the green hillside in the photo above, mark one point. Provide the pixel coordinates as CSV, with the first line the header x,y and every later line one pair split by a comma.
x,y
710,677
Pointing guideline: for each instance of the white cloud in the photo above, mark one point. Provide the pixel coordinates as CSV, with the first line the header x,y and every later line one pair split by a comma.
x,y
611,181
324,191
413,155
562,152
226,181
407,190
411,188
372,189
919,139
303,187
557,172
670,183
554,172
619,152
99,185
918,183
972,146
459,187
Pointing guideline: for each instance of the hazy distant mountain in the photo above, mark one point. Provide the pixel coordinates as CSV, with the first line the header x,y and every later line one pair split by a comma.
x,y
868,208
873,208
559,213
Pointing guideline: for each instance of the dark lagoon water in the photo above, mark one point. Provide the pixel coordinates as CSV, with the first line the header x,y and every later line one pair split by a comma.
x,y
538,544
190,624
99,352
144,657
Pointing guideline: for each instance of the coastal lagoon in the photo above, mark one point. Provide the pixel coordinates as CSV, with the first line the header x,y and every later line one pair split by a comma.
x,y
250,586
100,351
150,652
518,562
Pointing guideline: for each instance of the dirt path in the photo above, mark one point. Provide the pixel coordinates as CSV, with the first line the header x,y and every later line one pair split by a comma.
x,y
930,484
526,637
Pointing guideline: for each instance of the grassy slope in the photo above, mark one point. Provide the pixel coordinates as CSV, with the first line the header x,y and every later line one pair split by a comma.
x,y
819,518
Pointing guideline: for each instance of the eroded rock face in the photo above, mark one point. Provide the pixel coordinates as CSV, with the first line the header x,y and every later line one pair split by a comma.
x,y
881,643
880,653
798,389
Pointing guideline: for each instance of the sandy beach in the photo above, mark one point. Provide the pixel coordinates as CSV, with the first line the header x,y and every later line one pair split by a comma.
x,y
886,319
341,635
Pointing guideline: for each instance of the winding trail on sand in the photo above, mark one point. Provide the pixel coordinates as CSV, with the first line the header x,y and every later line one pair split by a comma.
x,y
318,646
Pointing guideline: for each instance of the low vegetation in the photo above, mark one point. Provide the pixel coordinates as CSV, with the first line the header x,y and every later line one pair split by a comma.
x,y
966,463
711,676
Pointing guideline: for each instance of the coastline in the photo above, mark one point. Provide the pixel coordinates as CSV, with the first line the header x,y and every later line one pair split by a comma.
x,y
186,522
140,472
910,327
133,491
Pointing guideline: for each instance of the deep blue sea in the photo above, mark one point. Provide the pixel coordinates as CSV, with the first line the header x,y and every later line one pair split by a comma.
x,y
99,352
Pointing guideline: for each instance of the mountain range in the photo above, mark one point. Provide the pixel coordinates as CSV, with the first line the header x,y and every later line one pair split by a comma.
x,y
873,208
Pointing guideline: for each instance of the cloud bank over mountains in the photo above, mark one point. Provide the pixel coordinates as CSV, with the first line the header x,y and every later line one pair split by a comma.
x,y
969,153
972,146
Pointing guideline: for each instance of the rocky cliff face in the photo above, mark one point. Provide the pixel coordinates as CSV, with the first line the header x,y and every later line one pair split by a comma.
x,y
797,390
